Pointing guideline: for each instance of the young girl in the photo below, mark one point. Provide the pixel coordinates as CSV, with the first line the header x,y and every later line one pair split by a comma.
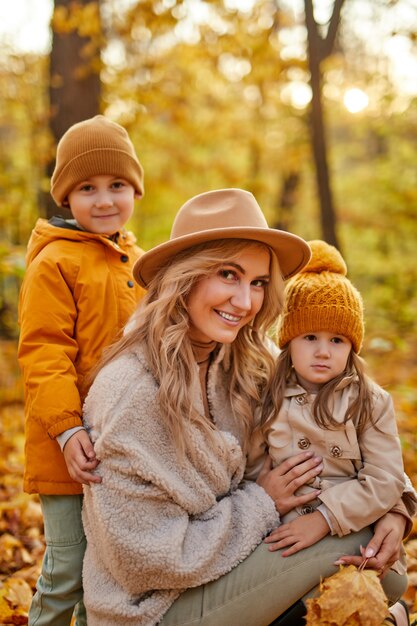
x,y
319,399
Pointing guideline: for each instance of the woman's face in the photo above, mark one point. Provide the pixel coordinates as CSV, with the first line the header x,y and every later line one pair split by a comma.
x,y
221,304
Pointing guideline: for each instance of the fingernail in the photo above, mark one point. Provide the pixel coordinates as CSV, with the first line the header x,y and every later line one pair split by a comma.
x,y
369,552
339,562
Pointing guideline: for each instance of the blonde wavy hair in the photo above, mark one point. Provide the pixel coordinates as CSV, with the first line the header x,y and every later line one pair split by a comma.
x,y
161,325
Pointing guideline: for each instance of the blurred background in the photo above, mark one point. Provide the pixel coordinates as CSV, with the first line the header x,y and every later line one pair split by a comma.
x,y
311,105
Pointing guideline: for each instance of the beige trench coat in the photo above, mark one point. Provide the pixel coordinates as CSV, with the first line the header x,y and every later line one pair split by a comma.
x,y
363,475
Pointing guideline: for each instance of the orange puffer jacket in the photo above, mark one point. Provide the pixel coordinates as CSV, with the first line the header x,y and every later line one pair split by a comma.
x,y
77,294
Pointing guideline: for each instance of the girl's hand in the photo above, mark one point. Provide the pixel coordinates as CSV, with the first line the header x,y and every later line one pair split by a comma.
x,y
282,482
385,546
81,459
301,532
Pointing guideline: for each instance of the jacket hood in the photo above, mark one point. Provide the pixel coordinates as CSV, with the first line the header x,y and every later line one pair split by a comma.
x,y
58,228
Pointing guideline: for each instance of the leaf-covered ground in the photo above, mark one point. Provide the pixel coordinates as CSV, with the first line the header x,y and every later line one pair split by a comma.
x,y
21,526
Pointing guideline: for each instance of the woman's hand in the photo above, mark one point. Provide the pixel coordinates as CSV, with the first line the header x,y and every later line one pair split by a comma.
x,y
384,548
282,482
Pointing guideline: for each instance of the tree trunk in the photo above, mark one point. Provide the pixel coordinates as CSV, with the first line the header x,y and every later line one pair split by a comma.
x,y
286,201
74,75
317,50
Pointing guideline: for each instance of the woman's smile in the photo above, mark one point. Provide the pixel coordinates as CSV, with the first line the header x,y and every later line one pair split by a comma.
x,y
228,316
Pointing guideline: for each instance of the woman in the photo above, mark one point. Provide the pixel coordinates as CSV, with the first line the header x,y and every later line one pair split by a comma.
x,y
170,414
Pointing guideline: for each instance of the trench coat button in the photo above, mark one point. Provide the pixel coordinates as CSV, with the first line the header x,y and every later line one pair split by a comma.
x,y
130,283
307,508
124,258
336,451
301,400
303,443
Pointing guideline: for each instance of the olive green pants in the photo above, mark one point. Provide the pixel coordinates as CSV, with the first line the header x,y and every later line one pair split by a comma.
x,y
59,590
265,584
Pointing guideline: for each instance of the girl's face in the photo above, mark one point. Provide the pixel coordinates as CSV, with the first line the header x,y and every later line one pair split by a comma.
x,y
318,357
221,304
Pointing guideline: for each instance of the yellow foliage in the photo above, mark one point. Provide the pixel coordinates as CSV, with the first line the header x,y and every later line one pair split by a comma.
x,y
89,20
351,597
15,598
83,19
13,554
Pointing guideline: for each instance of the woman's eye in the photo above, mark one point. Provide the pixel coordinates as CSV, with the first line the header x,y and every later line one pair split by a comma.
x,y
228,274
260,283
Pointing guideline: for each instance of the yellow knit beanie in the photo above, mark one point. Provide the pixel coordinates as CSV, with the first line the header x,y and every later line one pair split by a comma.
x,y
94,147
321,298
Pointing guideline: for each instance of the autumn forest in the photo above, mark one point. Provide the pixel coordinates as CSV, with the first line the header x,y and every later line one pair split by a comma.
x,y
311,105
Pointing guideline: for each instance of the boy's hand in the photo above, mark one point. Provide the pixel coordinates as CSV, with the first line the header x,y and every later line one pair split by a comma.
x,y
301,532
81,459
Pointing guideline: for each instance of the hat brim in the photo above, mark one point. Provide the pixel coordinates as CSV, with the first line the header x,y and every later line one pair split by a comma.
x,y
292,252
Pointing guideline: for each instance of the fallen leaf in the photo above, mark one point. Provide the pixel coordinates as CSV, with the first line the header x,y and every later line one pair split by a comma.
x,y
351,597
15,599
412,549
13,554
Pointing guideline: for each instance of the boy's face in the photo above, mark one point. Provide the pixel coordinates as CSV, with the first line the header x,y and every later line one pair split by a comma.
x,y
102,204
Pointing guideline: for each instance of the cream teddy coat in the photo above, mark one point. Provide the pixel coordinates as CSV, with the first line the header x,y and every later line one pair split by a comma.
x,y
158,525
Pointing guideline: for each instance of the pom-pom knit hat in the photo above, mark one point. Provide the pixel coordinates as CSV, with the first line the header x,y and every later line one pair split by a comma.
x,y
94,147
320,297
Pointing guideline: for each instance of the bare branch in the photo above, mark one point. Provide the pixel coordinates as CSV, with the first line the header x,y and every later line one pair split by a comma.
x,y
334,22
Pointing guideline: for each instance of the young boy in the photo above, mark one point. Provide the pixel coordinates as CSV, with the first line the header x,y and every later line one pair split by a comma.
x,y
76,296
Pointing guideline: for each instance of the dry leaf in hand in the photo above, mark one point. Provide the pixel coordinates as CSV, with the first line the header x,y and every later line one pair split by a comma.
x,y
351,597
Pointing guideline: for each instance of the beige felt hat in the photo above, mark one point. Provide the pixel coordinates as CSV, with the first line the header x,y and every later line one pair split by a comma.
x,y
223,214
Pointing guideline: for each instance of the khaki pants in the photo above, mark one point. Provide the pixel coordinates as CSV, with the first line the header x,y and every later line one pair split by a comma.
x,y
265,584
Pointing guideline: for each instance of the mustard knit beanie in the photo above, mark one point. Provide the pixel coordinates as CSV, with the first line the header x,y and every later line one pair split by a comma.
x,y
94,147
320,297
